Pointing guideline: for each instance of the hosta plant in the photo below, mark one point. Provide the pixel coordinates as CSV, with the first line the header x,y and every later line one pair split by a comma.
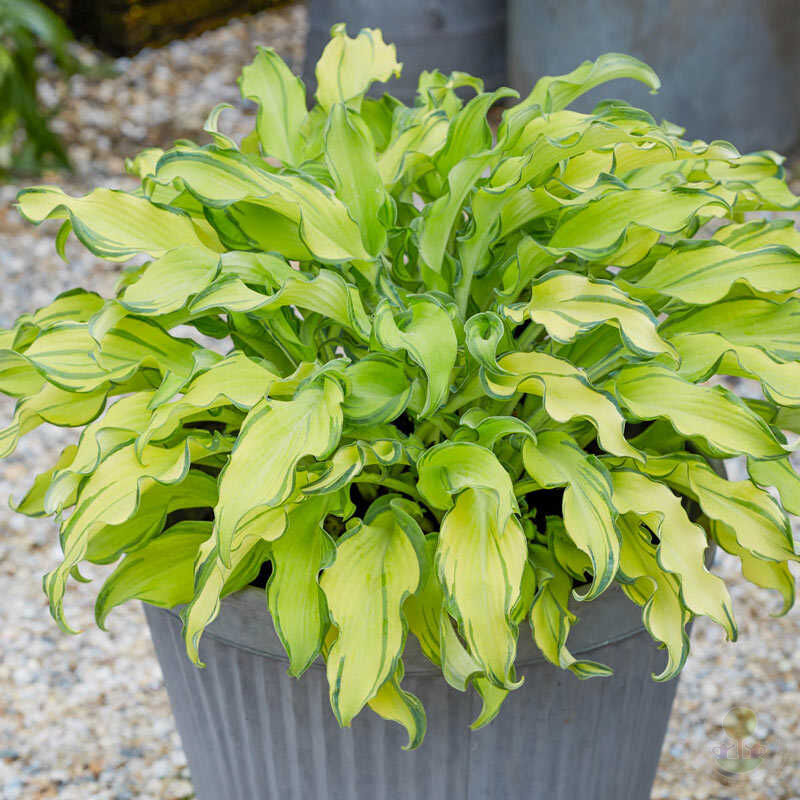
x,y
426,377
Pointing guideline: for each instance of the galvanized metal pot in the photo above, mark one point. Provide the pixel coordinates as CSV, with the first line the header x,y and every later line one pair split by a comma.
x,y
729,67
466,35
251,732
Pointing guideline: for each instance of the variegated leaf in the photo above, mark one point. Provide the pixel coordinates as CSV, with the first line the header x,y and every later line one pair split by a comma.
x,y
212,574
325,293
112,224
350,157
450,468
757,520
657,592
378,564
393,703
552,93
703,272
159,574
108,542
281,99
480,565
168,283
766,574
348,66
681,544
551,619
747,321
706,413
781,474
378,389
219,179
52,405
706,354
425,332
295,599
587,506
236,380
598,228
258,478
569,305
110,496
566,394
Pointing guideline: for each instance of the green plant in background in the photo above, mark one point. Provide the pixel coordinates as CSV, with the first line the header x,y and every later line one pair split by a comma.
x,y
26,140
440,381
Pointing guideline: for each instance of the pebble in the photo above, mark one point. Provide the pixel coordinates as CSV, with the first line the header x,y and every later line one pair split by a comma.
x,y
87,716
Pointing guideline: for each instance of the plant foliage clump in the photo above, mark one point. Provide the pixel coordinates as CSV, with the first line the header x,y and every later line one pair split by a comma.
x,y
26,141
442,380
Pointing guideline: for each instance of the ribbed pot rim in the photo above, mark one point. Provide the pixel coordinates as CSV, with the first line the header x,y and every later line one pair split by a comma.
x,y
245,623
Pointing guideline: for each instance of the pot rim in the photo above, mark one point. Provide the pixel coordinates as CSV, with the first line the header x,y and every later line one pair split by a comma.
x,y
244,622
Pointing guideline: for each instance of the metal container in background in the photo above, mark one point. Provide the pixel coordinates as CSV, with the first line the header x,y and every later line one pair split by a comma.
x,y
123,27
729,68
251,731
467,35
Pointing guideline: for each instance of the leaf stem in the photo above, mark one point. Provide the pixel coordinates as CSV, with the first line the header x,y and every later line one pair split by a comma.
x,y
523,487
470,391
445,427
463,289
389,483
510,404
529,335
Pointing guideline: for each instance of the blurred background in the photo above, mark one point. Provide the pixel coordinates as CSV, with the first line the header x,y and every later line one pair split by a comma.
x,y
85,84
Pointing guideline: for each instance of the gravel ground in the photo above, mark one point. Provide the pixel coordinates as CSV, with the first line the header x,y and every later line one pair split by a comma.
x,y
87,717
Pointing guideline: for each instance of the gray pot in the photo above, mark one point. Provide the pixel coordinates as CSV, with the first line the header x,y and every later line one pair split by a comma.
x,y
251,732
467,35
729,67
